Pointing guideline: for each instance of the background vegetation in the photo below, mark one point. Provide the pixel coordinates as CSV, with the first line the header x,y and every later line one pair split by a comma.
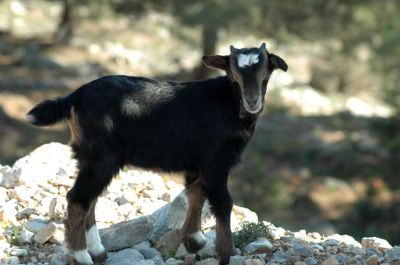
x,y
327,150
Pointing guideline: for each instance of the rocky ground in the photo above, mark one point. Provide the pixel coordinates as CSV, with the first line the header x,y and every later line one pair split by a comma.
x,y
140,215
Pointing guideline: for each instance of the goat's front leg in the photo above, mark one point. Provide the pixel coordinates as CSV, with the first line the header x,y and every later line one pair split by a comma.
x,y
221,203
192,236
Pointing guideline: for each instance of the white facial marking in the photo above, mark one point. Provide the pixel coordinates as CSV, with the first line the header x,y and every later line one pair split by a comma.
x,y
82,256
108,123
247,59
198,237
93,241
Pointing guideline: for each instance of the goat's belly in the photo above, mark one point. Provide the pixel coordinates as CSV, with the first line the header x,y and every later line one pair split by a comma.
x,y
165,157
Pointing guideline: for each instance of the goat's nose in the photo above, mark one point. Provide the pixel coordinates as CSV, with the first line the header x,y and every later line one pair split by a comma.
x,y
252,101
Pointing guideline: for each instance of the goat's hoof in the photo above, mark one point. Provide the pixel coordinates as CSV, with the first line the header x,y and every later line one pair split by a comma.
x,y
82,257
194,242
99,258
98,253
225,255
225,260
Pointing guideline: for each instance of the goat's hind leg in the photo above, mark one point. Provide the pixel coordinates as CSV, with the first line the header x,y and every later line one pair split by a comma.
x,y
81,234
75,237
192,236
93,241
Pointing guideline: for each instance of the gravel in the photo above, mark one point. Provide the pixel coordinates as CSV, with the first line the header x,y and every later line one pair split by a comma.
x,y
139,225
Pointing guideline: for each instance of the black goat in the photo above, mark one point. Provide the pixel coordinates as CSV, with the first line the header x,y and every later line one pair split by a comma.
x,y
199,128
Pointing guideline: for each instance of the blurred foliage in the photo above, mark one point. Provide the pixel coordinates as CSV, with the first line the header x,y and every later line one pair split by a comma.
x,y
344,26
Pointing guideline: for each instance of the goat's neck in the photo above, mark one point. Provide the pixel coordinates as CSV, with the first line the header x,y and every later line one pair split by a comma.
x,y
248,120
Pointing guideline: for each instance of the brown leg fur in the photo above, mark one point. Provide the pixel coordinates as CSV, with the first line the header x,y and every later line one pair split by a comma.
x,y
91,217
75,234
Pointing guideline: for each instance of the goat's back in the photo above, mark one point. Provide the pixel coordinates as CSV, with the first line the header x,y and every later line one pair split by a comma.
x,y
152,124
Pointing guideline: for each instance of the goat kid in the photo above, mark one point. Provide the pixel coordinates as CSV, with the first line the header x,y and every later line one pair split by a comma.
x,y
198,128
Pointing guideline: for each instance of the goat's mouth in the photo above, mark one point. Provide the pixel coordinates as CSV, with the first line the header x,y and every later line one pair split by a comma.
x,y
253,109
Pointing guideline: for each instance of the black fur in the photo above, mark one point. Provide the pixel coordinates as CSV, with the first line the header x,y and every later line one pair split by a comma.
x,y
168,126
277,62
49,112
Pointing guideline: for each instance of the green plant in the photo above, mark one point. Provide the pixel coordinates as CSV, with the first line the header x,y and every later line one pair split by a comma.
x,y
169,254
15,232
248,232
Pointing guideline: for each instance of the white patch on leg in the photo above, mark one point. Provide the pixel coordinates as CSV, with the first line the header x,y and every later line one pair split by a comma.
x,y
93,241
247,59
198,237
82,257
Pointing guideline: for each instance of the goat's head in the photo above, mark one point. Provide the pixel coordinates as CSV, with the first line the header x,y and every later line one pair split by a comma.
x,y
251,69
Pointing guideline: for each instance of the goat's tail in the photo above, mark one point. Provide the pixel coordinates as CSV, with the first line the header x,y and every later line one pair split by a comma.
x,y
50,112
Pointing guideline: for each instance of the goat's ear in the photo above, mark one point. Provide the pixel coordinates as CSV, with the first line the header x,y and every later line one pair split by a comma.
x,y
216,61
277,62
